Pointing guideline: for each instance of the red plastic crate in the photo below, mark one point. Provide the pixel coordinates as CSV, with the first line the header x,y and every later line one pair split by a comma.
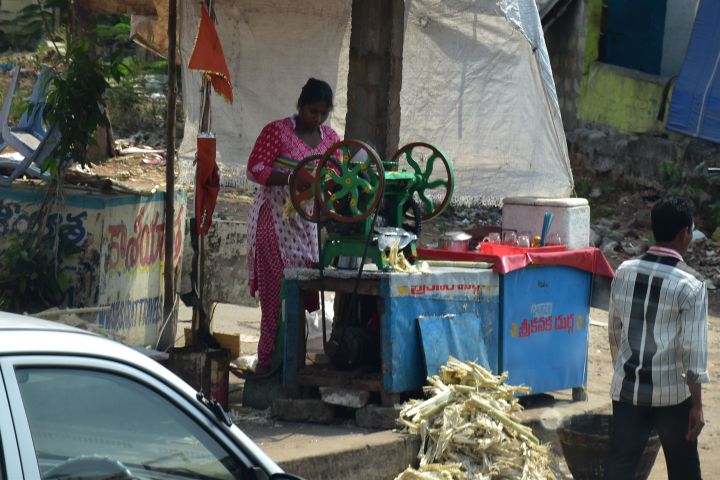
x,y
500,250
451,255
487,252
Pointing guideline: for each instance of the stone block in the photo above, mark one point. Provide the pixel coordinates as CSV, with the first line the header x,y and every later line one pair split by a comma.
x,y
303,410
261,392
602,163
344,397
376,416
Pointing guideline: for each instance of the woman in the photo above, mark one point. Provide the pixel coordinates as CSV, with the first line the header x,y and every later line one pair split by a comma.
x,y
275,241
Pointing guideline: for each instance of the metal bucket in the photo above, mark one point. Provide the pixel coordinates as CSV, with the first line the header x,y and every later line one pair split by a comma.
x,y
206,370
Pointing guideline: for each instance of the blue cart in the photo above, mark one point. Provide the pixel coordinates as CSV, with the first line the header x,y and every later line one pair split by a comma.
x,y
544,328
531,322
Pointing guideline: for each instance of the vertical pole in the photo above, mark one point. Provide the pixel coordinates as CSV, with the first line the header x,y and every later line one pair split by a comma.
x,y
375,76
201,318
169,271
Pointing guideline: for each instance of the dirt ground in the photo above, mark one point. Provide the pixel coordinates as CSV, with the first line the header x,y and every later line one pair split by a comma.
x,y
600,375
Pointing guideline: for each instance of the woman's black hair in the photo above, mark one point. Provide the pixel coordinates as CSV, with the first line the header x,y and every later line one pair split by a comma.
x,y
315,91
669,216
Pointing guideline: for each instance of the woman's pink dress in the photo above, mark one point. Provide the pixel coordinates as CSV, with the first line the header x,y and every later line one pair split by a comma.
x,y
276,242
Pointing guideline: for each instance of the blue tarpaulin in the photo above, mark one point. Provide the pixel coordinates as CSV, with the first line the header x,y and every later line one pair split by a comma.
x,y
458,335
695,105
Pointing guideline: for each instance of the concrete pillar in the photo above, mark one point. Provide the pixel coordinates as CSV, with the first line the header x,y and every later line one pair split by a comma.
x,y
565,39
375,73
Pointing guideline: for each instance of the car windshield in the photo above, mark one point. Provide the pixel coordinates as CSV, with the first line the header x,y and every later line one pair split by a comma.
x,y
85,422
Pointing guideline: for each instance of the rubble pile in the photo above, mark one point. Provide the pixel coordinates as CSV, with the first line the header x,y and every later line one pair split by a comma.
x,y
469,429
621,241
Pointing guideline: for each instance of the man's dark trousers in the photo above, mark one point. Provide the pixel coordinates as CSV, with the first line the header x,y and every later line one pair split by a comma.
x,y
630,429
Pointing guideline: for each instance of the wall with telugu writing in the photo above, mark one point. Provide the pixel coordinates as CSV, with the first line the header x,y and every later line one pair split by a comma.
x,y
133,254
120,268
75,224
141,245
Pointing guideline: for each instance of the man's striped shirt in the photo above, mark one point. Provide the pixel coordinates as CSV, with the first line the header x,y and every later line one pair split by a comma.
x,y
657,329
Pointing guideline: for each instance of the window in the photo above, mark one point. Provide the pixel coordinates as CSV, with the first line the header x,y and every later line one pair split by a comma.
x,y
650,36
85,421
632,34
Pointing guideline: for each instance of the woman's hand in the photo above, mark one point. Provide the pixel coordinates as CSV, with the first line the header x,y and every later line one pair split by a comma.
x,y
278,179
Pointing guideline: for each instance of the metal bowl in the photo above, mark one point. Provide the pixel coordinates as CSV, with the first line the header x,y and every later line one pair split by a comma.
x,y
456,241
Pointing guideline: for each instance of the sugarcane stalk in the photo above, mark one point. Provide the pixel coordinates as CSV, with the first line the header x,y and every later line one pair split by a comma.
x,y
469,428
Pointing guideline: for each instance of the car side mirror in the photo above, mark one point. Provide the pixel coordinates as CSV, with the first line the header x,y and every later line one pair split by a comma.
x,y
284,476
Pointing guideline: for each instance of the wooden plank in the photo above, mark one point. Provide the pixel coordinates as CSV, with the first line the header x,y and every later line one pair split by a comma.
x,y
366,287
310,376
134,7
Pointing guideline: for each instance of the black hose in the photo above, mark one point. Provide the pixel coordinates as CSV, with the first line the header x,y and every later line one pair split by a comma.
x,y
322,279
351,307
416,228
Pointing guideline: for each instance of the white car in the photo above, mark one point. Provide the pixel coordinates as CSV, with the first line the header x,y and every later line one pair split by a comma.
x,y
75,405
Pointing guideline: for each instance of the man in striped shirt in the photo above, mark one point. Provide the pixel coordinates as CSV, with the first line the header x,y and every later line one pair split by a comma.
x,y
658,341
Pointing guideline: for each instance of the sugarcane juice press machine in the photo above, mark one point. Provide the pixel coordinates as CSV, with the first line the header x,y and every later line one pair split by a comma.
x,y
358,197
367,207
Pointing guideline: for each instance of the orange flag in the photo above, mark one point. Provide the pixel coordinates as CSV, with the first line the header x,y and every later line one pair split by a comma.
x,y
208,57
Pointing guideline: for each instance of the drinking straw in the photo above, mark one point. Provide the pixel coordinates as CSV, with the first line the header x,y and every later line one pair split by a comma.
x,y
547,221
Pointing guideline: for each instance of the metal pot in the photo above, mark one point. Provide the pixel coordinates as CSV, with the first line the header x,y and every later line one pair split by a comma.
x,y
456,241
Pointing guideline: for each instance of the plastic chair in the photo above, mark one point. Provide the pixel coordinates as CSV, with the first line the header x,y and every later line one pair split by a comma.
x,y
7,103
31,163
25,138
29,138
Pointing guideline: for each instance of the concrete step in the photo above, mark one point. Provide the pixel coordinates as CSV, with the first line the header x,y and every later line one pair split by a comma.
x,y
327,452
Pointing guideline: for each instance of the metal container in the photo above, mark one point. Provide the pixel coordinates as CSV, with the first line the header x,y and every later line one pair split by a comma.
x,y
456,241
348,263
584,439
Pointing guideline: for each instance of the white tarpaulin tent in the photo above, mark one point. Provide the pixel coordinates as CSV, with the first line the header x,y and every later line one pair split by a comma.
x,y
476,82
271,47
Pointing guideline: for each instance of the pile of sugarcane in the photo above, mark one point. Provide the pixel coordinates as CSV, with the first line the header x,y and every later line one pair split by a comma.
x,y
469,429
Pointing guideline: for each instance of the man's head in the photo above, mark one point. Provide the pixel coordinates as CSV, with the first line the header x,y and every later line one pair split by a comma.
x,y
672,222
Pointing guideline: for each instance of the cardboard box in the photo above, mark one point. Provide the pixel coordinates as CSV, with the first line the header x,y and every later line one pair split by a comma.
x,y
228,341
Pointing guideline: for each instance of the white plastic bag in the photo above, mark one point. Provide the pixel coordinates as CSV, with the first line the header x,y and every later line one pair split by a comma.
x,y
314,327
